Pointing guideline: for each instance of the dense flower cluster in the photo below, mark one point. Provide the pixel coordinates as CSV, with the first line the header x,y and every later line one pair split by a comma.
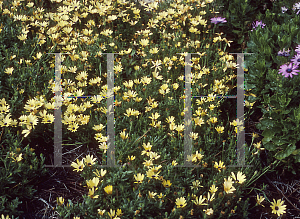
x,y
64,34
290,69
257,24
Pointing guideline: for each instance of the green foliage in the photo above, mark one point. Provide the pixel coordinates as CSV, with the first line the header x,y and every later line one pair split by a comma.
x,y
280,121
278,94
17,178
239,14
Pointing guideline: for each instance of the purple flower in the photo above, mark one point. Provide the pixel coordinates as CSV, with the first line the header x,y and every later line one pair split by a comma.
x,y
296,59
258,23
298,49
283,9
217,20
296,6
284,53
288,70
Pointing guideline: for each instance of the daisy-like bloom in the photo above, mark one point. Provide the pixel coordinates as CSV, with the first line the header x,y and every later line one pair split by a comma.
x,y
123,135
200,201
196,184
9,70
288,70
198,155
180,202
60,201
297,50
147,149
101,174
213,120
167,183
139,178
228,188
217,20
89,160
256,24
191,158
92,192
199,121
152,174
156,65
296,6
131,158
278,207
210,198
213,189
119,212
209,211
6,121
240,177
78,166
101,212
108,189
112,214
19,157
148,163
144,42
259,200
220,129
161,195
283,9
284,53
296,59
152,194
219,166
93,182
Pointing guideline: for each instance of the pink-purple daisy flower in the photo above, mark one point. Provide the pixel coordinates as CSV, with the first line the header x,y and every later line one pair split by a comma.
x,y
256,24
288,70
296,59
217,20
297,50
296,6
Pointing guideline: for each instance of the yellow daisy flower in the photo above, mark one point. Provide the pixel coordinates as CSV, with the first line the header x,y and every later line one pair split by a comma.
x,y
278,207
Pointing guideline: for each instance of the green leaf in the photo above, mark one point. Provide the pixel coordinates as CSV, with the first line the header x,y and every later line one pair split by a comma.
x,y
297,158
297,114
270,146
295,152
285,153
279,141
287,111
236,31
265,123
241,39
268,135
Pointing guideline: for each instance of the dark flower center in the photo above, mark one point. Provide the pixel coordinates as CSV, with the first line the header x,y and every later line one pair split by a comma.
x,y
289,70
298,60
276,208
